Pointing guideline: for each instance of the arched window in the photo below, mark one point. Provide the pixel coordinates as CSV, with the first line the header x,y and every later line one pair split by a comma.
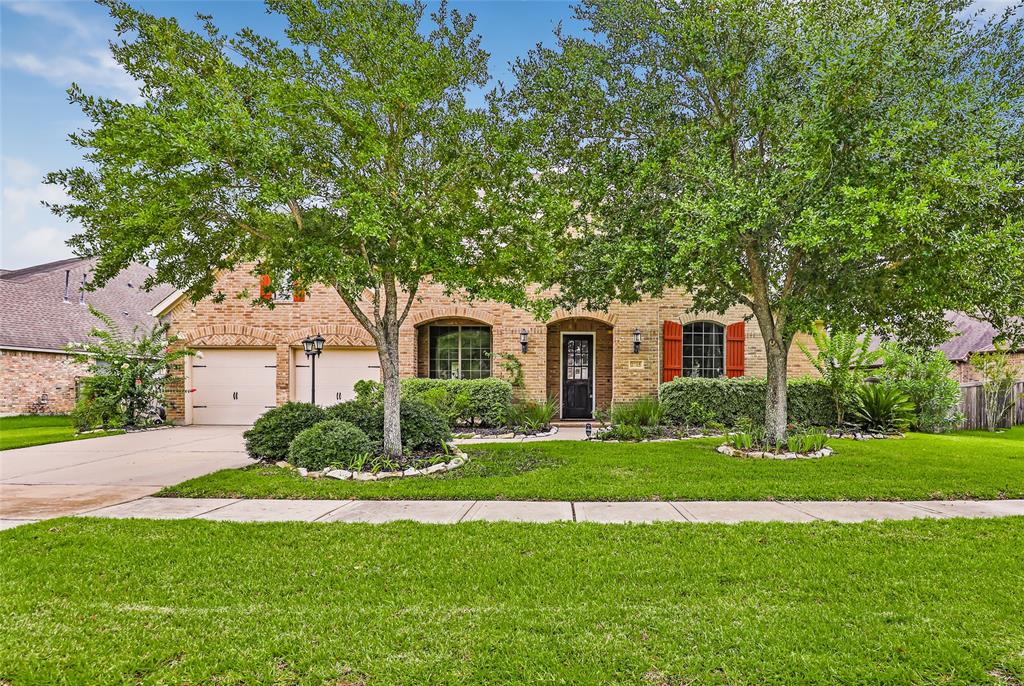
x,y
703,349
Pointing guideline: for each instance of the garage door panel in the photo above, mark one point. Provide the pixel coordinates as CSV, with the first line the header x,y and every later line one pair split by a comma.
x,y
337,371
233,386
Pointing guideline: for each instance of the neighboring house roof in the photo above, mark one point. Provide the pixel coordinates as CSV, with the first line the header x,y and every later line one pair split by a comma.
x,y
35,315
972,336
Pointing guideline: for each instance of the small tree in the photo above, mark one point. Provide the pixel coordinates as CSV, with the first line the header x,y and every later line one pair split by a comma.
x,y
839,161
345,156
127,374
924,376
999,374
842,359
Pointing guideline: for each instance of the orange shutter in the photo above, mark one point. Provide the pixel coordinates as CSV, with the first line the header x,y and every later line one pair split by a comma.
x,y
672,351
735,344
298,293
265,291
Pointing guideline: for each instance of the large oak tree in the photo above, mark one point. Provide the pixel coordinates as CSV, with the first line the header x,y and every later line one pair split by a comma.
x,y
852,161
344,154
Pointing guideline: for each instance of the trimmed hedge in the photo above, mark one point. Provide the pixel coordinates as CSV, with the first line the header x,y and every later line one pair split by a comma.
x,y
269,437
329,443
423,427
690,400
465,401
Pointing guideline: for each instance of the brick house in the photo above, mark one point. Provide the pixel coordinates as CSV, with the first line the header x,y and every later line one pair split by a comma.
x,y
250,358
44,309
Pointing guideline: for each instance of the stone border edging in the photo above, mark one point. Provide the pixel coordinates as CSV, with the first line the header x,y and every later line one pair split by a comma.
x,y
511,435
736,452
460,458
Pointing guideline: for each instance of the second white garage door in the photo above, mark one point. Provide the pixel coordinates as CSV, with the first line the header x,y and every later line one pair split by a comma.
x,y
233,386
337,370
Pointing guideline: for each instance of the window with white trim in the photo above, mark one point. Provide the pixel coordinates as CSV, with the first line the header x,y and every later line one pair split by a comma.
x,y
460,352
704,349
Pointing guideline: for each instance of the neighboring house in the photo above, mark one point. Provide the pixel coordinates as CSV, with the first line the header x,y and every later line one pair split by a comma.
x,y
251,358
972,336
44,309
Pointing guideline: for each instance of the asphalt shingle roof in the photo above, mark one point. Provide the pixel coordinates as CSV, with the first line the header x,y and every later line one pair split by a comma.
x,y
34,314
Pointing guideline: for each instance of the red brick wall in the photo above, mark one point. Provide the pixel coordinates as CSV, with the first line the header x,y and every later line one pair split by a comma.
x,y
37,382
236,322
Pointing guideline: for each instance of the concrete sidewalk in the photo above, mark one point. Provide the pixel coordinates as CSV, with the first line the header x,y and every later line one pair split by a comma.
x,y
454,511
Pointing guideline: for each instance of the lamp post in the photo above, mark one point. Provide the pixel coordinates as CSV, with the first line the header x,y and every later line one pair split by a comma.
x,y
313,347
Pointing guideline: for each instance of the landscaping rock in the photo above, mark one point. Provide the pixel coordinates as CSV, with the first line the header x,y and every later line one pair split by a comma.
x,y
511,435
364,476
412,471
283,465
340,474
302,471
435,468
388,475
456,462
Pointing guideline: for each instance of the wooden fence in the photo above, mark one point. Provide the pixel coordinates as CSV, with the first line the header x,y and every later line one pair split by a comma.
x,y
972,405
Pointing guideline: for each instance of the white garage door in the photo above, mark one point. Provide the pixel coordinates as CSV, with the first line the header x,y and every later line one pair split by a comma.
x,y
233,386
337,370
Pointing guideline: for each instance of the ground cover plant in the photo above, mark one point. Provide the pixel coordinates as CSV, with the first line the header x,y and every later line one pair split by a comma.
x,y
144,602
920,466
27,430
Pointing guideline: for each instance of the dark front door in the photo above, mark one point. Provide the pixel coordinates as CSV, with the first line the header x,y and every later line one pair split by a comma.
x,y
577,376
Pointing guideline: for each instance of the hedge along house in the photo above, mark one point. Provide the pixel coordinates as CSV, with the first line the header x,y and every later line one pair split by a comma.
x,y
250,358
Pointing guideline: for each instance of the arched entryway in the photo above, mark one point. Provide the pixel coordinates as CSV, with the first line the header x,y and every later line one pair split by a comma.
x,y
579,366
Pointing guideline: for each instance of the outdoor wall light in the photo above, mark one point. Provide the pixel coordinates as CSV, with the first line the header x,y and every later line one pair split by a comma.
x,y
523,336
636,341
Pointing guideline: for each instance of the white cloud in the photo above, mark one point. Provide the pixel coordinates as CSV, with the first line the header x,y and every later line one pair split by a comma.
x,y
31,233
54,14
91,69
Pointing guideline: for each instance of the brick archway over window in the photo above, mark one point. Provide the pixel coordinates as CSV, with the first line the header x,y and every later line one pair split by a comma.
x,y
453,312
559,315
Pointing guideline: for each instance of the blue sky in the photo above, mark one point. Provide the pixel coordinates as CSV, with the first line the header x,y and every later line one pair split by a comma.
x,y
45,46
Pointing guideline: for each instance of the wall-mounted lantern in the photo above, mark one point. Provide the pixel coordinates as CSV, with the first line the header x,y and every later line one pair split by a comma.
x,y
523,336
636,341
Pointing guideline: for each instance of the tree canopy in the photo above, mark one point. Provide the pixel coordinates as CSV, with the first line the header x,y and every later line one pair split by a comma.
x,y
345,155
857,162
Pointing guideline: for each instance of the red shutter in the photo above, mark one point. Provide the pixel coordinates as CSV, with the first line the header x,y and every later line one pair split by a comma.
x,y
265,291
672,351
735,344
298,293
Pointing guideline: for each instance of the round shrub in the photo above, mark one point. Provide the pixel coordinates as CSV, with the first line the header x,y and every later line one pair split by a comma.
x,y
269,437
329,443
423,426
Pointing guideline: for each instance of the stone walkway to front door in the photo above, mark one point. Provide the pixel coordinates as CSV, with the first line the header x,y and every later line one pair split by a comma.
x,y
454,511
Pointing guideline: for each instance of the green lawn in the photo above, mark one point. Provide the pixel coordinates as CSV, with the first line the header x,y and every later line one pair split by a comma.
x,y
25,430
141,602
962,465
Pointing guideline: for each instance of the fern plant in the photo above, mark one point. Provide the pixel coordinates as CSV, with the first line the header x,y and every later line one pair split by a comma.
x,y
842,359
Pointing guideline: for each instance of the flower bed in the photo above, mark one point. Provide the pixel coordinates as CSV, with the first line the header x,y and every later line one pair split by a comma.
x,y
505,433
416,466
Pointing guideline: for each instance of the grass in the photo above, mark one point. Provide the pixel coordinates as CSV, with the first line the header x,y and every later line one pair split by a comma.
x,y
921,466
26,430
144,602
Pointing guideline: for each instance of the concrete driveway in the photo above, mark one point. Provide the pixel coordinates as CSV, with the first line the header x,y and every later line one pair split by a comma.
x,y
70,478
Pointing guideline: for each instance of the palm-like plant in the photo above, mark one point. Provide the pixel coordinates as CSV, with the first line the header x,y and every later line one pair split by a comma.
x,y
842,359
878,407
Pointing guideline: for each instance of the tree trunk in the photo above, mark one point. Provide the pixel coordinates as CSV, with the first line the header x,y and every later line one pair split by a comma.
x,y
387,351
775,419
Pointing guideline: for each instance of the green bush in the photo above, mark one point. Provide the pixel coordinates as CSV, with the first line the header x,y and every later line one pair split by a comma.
x,y
269,437
923,375
727,401
642,412
467,402
879,407
97,406
331,443
531,416
423,427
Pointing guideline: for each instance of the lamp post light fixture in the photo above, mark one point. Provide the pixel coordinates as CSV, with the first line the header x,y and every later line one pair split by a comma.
x,y
636,341
313,347
523,336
